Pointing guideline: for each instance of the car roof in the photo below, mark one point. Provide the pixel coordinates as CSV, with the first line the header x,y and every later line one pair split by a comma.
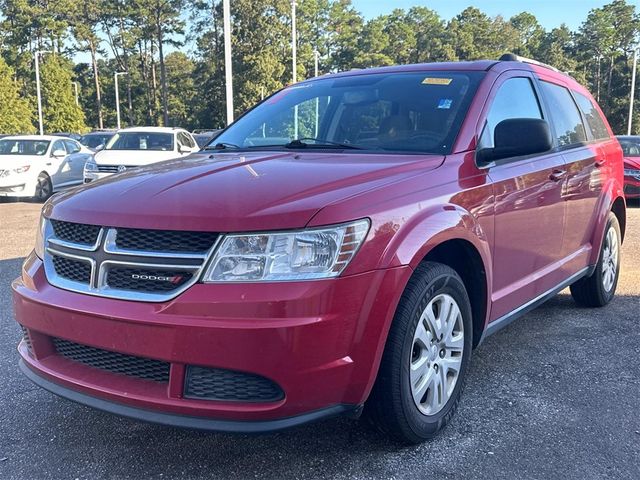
x,y
628,137
36,137
152,129
507,62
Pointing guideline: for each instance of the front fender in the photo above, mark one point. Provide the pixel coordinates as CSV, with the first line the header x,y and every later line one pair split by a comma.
x,y
612,190
432,227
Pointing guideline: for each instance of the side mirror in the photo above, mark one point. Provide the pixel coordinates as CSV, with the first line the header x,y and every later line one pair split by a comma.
x,y
59,153
100,147
184,149
516,137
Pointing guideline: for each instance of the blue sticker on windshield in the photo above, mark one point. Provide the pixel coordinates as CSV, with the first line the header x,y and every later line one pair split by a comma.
x,y
445,103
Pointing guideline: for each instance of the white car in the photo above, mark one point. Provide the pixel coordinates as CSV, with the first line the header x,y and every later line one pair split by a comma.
x,y
135,147
36,166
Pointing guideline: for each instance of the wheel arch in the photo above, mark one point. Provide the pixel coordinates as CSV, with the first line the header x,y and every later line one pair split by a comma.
x,y
454,237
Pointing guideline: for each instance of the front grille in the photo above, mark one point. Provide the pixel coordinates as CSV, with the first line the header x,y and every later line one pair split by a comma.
x,y
76,232
170,241
146,280
124,263
114,362
112,168
226,385
71,269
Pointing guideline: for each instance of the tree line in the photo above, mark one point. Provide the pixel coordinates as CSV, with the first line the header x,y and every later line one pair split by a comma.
x,y
173,54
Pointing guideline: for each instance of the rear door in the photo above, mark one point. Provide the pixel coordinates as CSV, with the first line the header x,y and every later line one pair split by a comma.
x,y
529,212
57,166
585,163
76,160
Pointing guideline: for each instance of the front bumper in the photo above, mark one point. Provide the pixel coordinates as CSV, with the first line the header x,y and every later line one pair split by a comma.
x,y
17,190
93,176
319,341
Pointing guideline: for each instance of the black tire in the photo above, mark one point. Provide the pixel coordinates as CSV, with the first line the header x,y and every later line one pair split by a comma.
x,y
44,188
391,407
590,291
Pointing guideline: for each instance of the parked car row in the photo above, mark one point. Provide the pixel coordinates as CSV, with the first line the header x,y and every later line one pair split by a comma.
x,y
33,166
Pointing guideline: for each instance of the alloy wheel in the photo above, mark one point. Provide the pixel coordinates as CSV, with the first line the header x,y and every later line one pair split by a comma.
x,y
610,259
436,356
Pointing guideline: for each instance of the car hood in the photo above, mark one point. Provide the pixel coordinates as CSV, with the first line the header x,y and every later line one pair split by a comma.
x,y
133,158
634,162
233,192
15,161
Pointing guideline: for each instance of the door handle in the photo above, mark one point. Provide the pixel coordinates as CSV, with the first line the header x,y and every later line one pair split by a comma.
x,y
557,175
599,163
48,164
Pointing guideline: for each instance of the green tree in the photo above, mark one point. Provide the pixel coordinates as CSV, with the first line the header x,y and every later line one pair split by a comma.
x,y
530,34
59,109
15,111
182,92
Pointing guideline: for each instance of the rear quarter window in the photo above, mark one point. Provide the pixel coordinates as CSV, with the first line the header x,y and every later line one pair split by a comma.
x,y
592,116
567,122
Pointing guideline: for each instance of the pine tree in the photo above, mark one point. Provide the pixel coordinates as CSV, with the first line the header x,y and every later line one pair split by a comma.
x,y
59,109
15,112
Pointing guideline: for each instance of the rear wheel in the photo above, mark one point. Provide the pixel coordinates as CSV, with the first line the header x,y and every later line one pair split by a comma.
x,y
426,358
44,188
600,288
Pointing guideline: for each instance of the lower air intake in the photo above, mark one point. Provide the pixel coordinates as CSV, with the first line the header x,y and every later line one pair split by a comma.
x,y
114,362
226,385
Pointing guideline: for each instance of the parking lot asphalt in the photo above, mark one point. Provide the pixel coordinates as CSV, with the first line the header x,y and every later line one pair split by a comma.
x,y
554,395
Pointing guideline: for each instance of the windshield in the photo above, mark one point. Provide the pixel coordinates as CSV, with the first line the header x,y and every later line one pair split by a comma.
x,y
23,147
630,147
94,141
406,112
141,141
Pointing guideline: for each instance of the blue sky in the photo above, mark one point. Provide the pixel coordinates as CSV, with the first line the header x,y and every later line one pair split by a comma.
x,y
550,13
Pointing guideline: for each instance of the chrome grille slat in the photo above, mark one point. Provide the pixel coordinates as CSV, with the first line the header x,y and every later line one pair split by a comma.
x,y
102,269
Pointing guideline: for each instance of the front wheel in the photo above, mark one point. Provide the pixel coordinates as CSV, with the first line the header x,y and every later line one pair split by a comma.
x,y
426,357
600,288
44,188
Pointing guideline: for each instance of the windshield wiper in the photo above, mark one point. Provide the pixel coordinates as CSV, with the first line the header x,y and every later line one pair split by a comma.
x,y
221,146
300,143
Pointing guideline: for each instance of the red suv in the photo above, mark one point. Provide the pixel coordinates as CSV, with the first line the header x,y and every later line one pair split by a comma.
x,y
340,249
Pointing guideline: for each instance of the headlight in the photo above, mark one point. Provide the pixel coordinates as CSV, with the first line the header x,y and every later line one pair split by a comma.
x,y
90,166
6,173
39,247
281,256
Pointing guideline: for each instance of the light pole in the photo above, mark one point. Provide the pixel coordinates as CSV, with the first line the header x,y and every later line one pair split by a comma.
x,y
38,94
115,80
294,49
228,73
75,87
316,56
633,90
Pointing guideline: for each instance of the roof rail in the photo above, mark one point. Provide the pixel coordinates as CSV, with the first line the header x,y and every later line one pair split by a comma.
x,y
512,57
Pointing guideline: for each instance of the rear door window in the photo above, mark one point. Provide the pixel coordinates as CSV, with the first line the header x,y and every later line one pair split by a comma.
x,y
567,123
594,119
72,147
515,99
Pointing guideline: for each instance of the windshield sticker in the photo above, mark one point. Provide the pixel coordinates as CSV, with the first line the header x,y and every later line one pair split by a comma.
x,y
445,103
437,81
